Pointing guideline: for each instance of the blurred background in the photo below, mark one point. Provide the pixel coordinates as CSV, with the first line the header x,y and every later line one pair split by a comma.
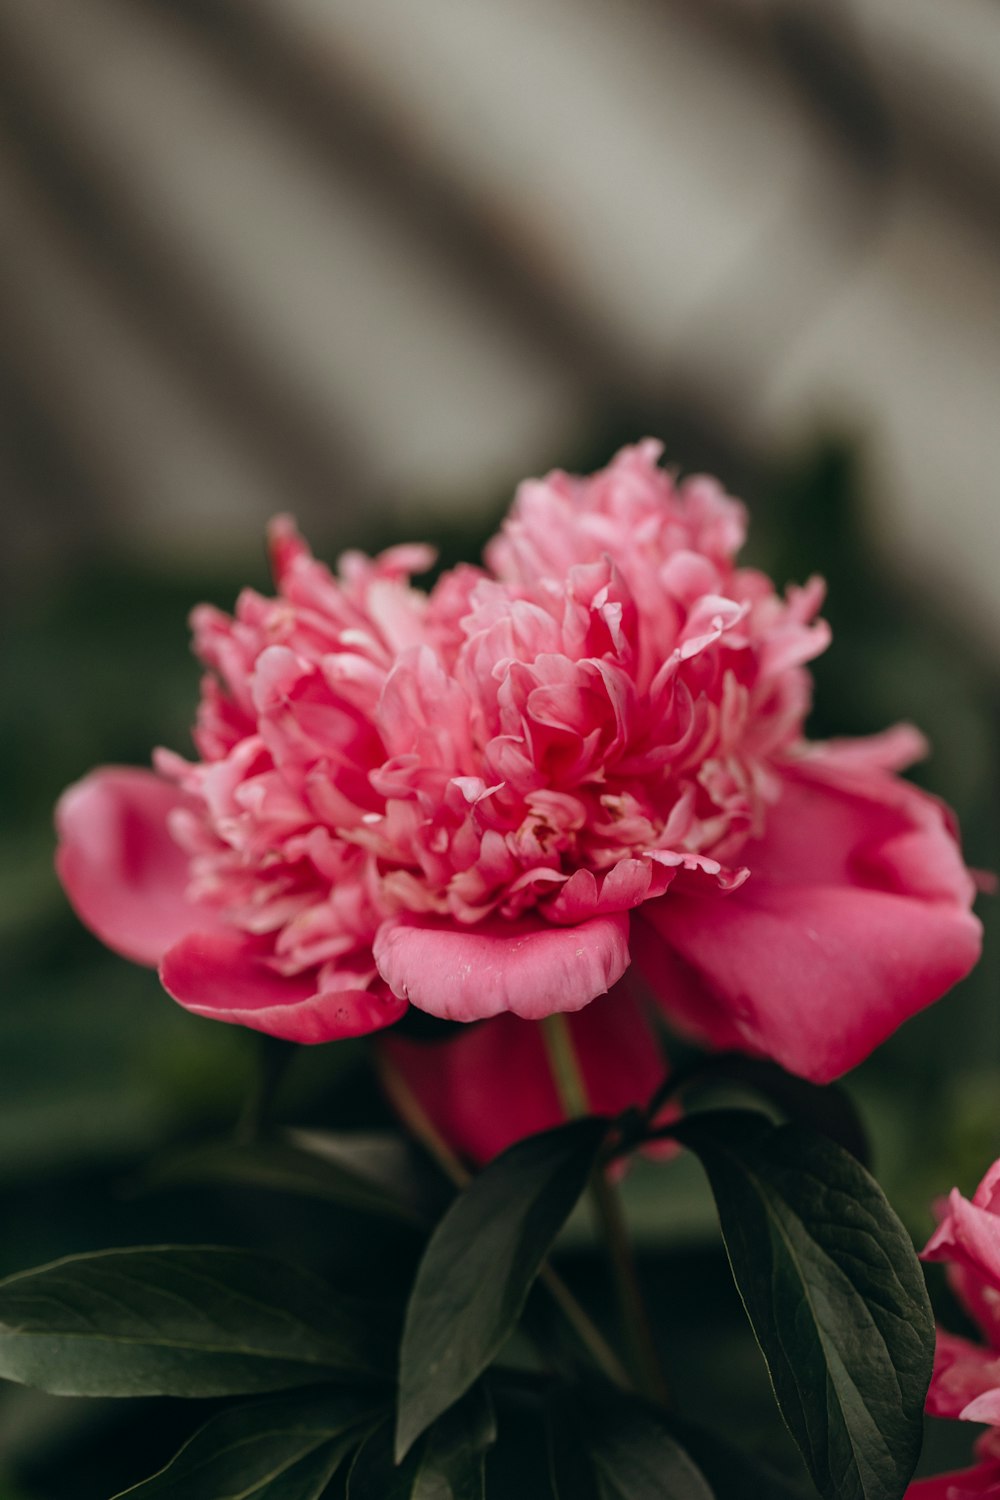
x,y
372,263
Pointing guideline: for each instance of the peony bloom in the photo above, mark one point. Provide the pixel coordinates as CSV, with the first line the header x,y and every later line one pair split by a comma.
x,y
488,799
981,1482
966,1380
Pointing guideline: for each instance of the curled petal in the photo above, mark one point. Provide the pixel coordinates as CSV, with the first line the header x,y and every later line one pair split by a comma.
x,y
221,975
525,966
968,1238
965,1375
121,869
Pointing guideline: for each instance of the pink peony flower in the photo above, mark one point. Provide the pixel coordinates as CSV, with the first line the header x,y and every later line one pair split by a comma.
x,y
981,1482
489,798
966,1382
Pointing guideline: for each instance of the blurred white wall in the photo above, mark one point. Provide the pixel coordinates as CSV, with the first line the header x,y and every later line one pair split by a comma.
x,y
421,270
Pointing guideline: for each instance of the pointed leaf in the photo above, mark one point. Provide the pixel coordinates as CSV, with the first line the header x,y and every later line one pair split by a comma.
x,y
615,1447
835,1295
571,1472
377,1174
287,1448
448,1465
480,1264
179,1320
732,1473
827,1108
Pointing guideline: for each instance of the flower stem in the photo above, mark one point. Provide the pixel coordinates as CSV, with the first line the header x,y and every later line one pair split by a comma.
x,y
406,1104
606,1203
415,1117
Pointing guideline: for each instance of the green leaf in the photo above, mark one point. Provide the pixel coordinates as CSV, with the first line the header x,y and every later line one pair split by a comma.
x,y
179,1320
835,1295
732,1473
827,1108
571,1473
480,1264
448,1465
287,1448
373,1173
608,1446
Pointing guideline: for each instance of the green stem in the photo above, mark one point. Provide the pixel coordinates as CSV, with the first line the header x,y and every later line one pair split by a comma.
x,y
642,1351
415,1117
606,1203
406,1104
586,1331
565,1066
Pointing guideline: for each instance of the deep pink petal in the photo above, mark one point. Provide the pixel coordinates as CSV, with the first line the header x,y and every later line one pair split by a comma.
x,y
526,966
491,1084
963,1373
835,826
221,975
967,1235
854,918
120,867
984,1408
978,1483
968,1238
812,976
987,1194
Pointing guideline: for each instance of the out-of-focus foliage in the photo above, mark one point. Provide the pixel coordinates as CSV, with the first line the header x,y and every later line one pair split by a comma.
x,y
100,1073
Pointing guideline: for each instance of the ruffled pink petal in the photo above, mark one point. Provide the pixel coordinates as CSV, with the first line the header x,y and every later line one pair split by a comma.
x,y
984,1408
118,864
968,1238
987,1194
893,749
221,975
627,884
491,1084
525,966
963,1374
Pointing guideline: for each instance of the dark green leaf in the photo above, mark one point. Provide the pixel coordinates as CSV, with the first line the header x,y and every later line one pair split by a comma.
x,y
378,1174
617,1447
733,1474
448,1465
827,1108
835,1295
479,1266
287,1448
571,1473
179,1320
517,1466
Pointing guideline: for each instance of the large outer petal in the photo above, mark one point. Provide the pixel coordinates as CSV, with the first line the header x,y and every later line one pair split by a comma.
x,y
527,966
119,866
491,1084
221,975
856,915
